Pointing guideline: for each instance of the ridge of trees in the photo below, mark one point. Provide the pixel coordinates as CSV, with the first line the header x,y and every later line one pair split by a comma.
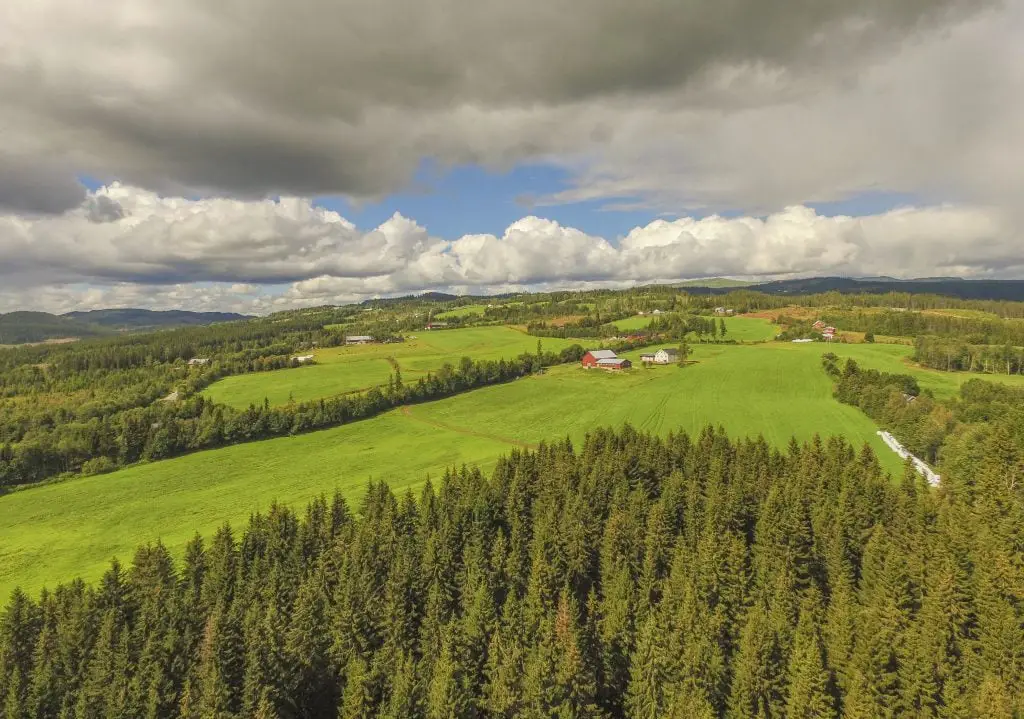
x,y
631,576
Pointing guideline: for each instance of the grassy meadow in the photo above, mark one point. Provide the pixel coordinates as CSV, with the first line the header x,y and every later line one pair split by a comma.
x,y
346,369
463,311
741,329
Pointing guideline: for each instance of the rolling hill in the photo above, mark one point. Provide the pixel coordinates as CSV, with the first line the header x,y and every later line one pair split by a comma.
x,y
25,327
22,327
135,320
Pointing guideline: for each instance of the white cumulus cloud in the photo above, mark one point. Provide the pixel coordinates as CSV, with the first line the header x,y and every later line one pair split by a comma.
x,y
145,250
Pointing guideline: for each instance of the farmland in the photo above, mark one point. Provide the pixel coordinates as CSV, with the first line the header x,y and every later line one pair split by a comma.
x,y
463,311
54,532
635,322
345,369
741,329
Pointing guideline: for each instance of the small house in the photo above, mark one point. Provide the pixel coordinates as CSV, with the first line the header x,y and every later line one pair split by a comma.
x,y
302,358
198,361
593,357
819,325
647,358
436,325
666,356
614,363
358,339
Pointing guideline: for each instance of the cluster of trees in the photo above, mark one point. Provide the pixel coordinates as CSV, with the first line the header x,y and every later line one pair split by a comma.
x,y
61,407
158,430
666,327
938,431
954,354
634,577
969,330
680,326
795,329
894,402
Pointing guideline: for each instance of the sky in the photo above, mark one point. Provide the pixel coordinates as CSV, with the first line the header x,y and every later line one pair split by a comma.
x,y
262,156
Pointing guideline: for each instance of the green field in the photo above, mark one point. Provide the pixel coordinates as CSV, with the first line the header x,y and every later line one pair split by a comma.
x,y
636,322
60,531
895,358
464,311
330,376
741,329
776,389
750,329
346,369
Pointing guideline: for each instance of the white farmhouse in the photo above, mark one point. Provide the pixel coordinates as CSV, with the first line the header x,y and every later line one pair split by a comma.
x,y
666,356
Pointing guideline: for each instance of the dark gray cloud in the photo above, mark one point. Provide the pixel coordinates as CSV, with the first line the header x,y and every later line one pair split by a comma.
x,y
101,208
35,186
327,96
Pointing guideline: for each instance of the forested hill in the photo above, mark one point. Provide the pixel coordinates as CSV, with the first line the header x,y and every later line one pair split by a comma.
x,y
138,320
22,327
1004,290
679,578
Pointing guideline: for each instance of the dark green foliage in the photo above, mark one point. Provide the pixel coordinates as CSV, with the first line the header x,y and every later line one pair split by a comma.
x,y
635,577
124,420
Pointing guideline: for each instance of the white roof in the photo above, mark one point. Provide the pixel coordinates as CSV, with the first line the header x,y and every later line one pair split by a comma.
x,y
358,337
611,360
602,354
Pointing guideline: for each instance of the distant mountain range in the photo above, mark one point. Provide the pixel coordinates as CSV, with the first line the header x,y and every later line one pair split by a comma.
x,y
23,327
1012,290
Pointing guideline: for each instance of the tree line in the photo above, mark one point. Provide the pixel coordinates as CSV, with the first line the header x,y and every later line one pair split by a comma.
x,y
160,430
968,330
953,354
631,576
936,430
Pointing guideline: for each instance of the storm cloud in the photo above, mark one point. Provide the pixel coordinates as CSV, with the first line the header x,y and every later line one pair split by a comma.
x,y
348,97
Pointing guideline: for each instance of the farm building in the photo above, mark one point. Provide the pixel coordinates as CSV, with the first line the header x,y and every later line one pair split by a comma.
x,y
358,339
591,358
647,358
198,361
666,356
302,358
828,333
819,325
614,363
436,325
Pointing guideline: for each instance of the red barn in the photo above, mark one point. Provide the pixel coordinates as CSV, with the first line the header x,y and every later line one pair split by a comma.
x,y
591,358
